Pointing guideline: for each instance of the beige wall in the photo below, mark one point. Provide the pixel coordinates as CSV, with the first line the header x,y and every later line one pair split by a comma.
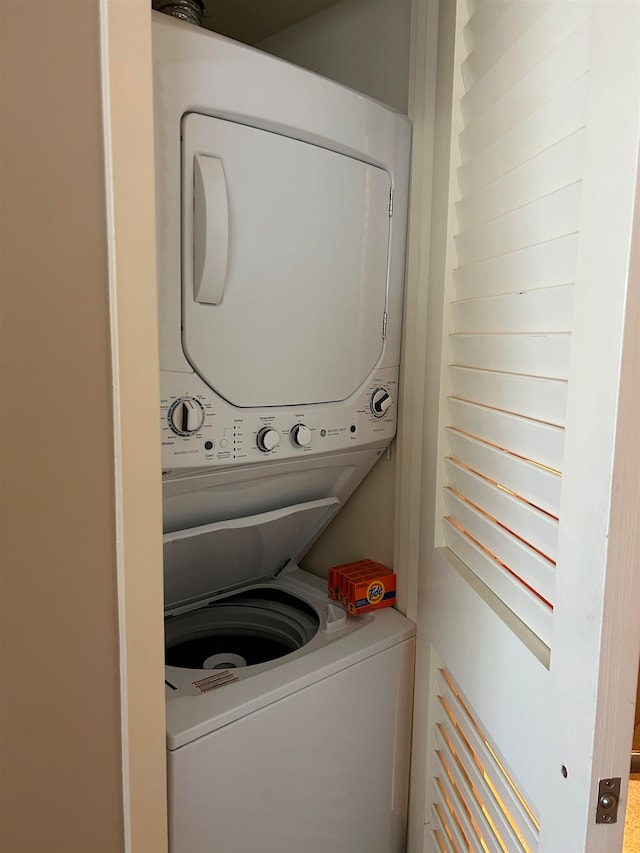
x,y
364,526
363,44
61,750
82,705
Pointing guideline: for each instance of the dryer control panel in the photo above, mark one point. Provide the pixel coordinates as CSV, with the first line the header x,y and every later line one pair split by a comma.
x,y
200,429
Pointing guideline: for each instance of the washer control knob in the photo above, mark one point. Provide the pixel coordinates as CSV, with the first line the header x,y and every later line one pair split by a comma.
x,y
301,435
267,439
380,402
186,416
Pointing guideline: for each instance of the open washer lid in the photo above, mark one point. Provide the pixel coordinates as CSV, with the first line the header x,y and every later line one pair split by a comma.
x,y
210,559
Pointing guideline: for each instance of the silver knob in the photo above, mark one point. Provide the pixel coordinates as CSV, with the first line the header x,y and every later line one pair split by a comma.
x,y
380,402
301,435
186,416
267,439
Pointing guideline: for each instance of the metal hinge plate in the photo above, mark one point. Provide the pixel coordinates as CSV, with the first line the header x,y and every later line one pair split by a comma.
x,y
384,326
391,202
608,799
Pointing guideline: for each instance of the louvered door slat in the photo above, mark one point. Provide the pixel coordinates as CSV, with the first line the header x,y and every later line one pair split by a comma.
x,y
536,222
438,840
452,826
544,265
533,526
482,19
558,118
543,354
549,30
478,827
539,442
558,166
566,63
538,485
443,833
530,396
504,801
439,843
529,608
491,32
525,564
496,831
549,309
459,805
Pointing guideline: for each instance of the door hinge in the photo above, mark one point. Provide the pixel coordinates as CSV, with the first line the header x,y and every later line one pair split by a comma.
x,y
391,202
384,326
608,798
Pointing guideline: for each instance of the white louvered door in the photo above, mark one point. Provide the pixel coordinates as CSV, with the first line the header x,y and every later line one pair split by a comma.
x,y
529,555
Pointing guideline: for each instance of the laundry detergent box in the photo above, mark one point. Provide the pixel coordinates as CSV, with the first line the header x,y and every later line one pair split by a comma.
x,y
362,586
339,577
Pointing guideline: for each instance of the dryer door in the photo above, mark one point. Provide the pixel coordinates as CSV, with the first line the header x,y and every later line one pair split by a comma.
x,y
285,255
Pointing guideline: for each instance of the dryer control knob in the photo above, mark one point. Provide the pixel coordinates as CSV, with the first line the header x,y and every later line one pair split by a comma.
x,y
301,435
380,402
186,416
267,439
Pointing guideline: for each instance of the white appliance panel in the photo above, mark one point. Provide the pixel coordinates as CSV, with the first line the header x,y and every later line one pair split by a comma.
x,y
323,770
192,713
285,260
229,436
297,360
205,497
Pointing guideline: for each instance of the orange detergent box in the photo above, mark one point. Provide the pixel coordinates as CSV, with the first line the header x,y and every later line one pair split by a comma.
x,y
362,586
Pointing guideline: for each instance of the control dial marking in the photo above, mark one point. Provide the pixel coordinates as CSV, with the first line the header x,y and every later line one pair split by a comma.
x,y
380,402
186,416
301,435
267,439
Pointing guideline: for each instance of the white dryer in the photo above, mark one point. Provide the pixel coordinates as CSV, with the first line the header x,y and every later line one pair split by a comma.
x,y
281,226
281,231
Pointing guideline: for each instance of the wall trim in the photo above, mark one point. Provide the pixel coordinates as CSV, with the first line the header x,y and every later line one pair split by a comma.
x,y
127,90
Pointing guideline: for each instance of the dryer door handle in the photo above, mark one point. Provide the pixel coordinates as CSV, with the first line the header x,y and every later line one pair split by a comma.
x,y
210,229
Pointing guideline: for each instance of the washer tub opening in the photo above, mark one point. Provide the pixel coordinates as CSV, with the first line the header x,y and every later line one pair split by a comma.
x,y
251,627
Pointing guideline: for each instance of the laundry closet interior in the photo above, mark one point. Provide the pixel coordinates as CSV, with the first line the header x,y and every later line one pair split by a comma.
x,y
281,211
246,380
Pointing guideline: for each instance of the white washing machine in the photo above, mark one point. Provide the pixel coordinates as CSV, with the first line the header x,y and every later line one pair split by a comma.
x,y
281,226
288,721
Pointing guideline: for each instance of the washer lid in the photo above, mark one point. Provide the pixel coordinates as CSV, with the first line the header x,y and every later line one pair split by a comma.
x,y
213,558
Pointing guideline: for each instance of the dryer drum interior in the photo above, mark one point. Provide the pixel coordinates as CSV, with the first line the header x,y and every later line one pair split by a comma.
x,y
249,628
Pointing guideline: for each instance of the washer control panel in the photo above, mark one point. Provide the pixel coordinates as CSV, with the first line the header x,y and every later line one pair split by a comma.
x,y
201,430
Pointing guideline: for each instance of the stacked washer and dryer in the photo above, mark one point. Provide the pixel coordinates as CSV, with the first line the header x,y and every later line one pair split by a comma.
x,y
281,223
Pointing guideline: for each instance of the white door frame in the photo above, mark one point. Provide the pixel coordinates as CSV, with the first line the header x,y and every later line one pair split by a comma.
x,y
125,34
